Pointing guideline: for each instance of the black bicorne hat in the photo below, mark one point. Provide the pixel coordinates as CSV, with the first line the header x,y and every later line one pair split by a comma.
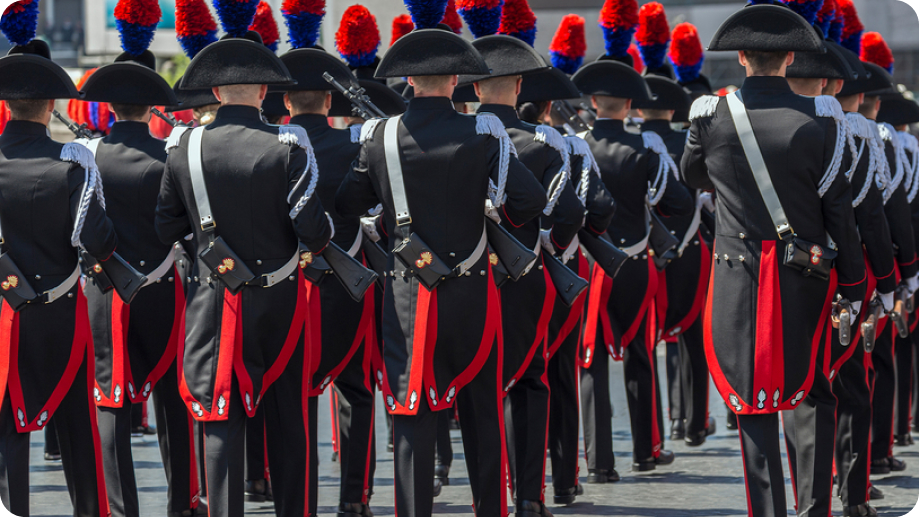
x,y
505,55
27,72
431,52
273,105
191,99
236,61
306,66
815,65
612,79
384,97
768,28
898,110
670,95
129,80
547,85
876,80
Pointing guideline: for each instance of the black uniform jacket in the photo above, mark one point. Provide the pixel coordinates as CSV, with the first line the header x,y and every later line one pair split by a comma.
x,y
682,285
43,345
762,318
627,168
249,175
337,324
134,344
435,342
899,217
526,305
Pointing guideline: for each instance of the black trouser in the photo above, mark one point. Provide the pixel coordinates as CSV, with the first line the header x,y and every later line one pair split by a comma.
x,y
904,365
256,464
597,412
114,426
853,428
526,418
443,450
224,460
643,394
562,373
762,457
357,451
694,373
882,398
810,439
51,446
81,453
676,408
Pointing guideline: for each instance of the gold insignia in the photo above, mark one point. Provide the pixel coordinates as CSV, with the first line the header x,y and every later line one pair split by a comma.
x,y
816,253
306,258
97,268
493,259
11,282
426,259
227,265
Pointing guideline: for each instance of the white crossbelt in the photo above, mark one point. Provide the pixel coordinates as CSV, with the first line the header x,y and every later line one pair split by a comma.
x,y
162,269
53,294
356,247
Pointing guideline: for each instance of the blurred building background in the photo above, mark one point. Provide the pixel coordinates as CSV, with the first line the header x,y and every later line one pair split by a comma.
x,y
82,32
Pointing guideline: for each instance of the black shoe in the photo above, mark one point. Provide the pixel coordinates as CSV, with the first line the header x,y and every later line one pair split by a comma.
x,y
442,472
903,440
142,430
880,466
532,509
354,510
600,476
731,421
677,429
568,495
664,458
875,493
258,491
200,511
862,510
454,424
697,439
896,465
438,487
334,456
52,456
389,447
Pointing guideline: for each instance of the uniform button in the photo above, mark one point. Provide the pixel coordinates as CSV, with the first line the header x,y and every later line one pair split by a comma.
x,y
695,243
158,280
452,254
142,263
743,236
37,277
196,279
208,279
644,256
634,257
291,278
622,241
672,232
258,262
741,258
468,273
539,267
726,257
171,279
482,272
69,295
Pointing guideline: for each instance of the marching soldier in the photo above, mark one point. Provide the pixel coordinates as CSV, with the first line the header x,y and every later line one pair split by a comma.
x,y
790,299
245,316
45,333
136,344
626,330
432,169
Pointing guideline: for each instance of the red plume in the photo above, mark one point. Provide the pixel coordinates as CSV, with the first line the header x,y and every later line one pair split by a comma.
x,y
452,18
266,26
402,25
638,64
875,50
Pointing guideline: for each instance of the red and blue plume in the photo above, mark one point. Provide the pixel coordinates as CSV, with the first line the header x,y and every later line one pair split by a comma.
x,y
482,16
836,26
686,54
96,115
401,25
519,21
875,50
136,21
426,14
236,15
808,9
852,29
653,34
452,18
765,2
569,44
619,21
825,16
358,37
195,26
20,21
266,26
637,62
303,19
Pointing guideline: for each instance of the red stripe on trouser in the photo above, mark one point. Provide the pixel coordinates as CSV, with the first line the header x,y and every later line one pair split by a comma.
x,y
499,400
544,378
365,495
101,494
334,413
193,488
305,409
743,458
650,335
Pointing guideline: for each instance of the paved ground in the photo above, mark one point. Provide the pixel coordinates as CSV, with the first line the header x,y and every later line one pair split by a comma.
x,y
705,481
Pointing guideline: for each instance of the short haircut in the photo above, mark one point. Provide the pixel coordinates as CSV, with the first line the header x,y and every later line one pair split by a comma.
x,y
129,111
806,84
495,85
763,62
831,86
532,111
312,101
655,114
426,83
232,93
27,109
867,107
613,104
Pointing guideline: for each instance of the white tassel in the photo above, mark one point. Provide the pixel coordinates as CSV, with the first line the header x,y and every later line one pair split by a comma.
x,y
911,144
355,133
296,135
829,107
172,141
92,185
489,124
869,178
367,129
704,106
889,134
655,144
553,139
579,147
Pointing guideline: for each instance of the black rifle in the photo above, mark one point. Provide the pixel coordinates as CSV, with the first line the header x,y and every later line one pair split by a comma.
x,y
363,107
568,112
172,121
354,276
80,131
115,273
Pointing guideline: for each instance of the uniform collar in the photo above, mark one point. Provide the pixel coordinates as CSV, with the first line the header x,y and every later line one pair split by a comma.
x,y
608,125
25,127
507,114
237,112
129,127
661,127
431,103
760,83
310,121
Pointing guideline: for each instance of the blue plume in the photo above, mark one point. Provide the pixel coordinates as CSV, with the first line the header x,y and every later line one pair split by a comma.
x,y
20,22
426,13
236,16
617,40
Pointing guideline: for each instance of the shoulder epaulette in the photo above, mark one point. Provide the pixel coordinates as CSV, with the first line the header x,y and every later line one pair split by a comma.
x,y
296,135
704,106
367,129
860,126
829,107
355,133
175,136
490,124
552,138
578,147
92,184
889,134
911,144
293,135
654,143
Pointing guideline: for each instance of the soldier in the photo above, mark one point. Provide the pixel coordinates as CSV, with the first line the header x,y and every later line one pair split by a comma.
x,y
245,316
526,304
448,161
683,284
136,344
48,339
790,301
636,176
